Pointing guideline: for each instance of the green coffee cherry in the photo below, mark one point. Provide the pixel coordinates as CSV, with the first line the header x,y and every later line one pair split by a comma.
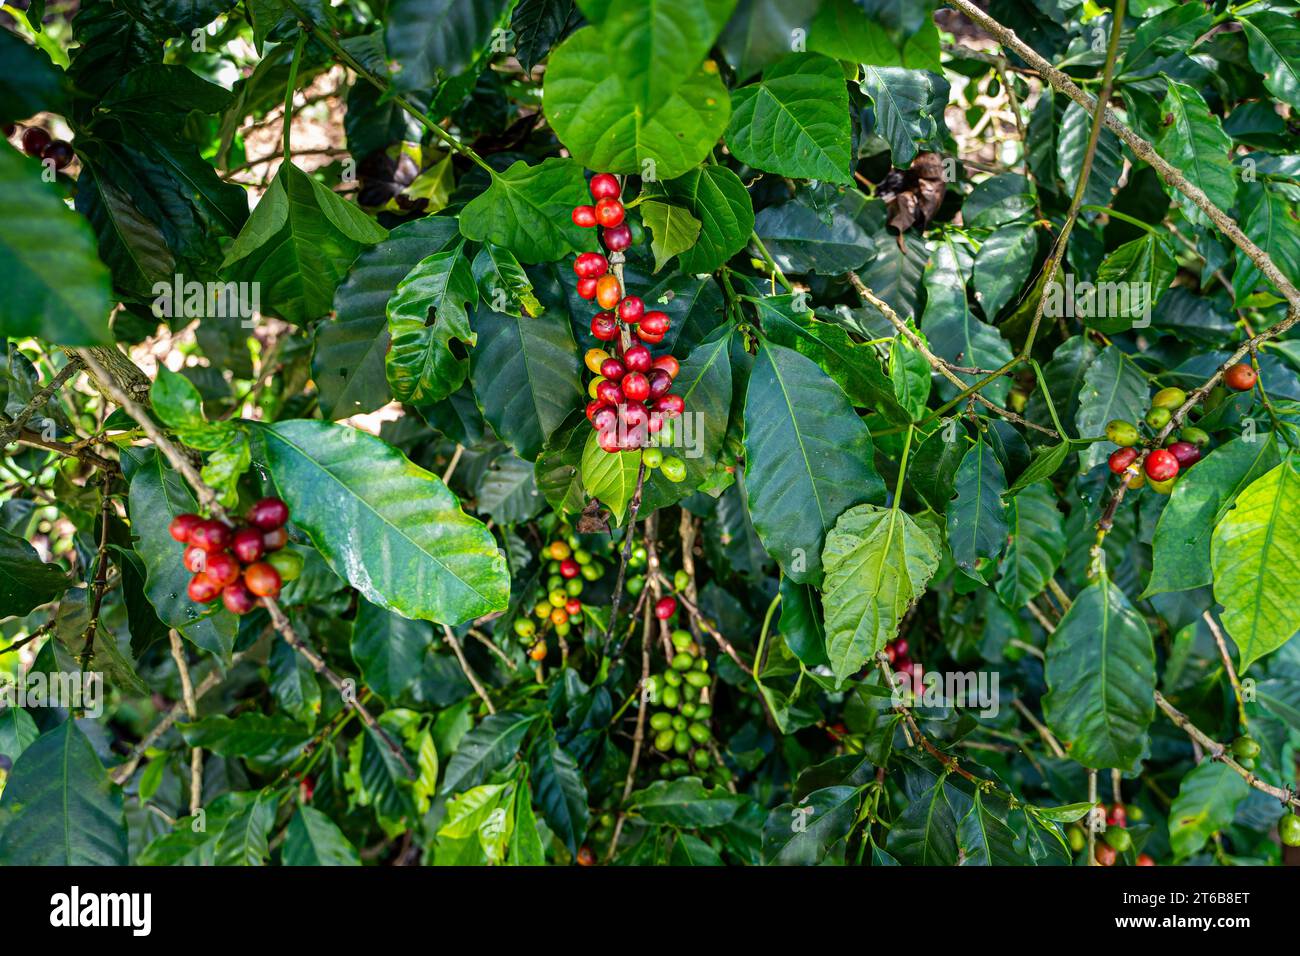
x,y
635,584
1122,433
699,732
673,468
682,742
682,662
1197,436
1246,747
682,639
652,457
581,556
673,678
697,678
681,581
563,628
1170,398
703,712
525,628
1158,418
664,740
1288,829
573,587
680,767
689,709
679,722
558,597
661,720
590,572
701,759
1118,838
672,697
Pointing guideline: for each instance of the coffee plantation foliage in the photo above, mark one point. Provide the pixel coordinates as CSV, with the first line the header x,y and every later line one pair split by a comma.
x,y
975,386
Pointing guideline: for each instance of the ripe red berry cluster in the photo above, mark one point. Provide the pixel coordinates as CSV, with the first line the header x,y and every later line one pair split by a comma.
x,y
630,392
38,143
896,651
239,564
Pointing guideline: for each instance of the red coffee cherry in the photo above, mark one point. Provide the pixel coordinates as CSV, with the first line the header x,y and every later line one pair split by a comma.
x,y
1161,465
247,545
604,186
648,337
584,216
608,440
605,417
604,326
195,559
587,287
35,140
631,309
636,387
660,382
262,579
202,589
668,364
237,598
59,152
590,265
572,606
617,238
671,405
665,607
275,539
609,212
182,526
1240,377
1144,859
655,323
569,568
609,392
637,359
1121,458
593,406
222,568
210,536
612,369
268,514
1186,453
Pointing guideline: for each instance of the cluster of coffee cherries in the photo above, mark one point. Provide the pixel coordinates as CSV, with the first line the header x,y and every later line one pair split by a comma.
x,y
239,564
1114,840
1162,466
40,144
558,607
896,651
632,403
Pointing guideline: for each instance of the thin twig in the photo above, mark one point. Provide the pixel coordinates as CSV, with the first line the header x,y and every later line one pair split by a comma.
x,y
192,712
638,736
11,431
450,637
1048,737
633,507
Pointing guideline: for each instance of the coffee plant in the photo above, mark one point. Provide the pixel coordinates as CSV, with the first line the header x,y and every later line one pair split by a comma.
x,y
692,432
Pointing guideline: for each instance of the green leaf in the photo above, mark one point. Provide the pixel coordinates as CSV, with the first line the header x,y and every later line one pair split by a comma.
x,y
31,84
719,200
925,834
348,357
909,108
17,732
56,289
508,491
503,283
1002,267
380,779
985,838
802,834
388,527
586,98
1107,164
1180,547
1255,557
298,245
808,458
395,655
828,240
294,684
1206,803
558,472
1130,281
657,43
1047,461
1101,676
1112,388
313,839
528,210
673,230
429,39
953,330
422,365
690,850
1036,546
1270,221
488,747
1274,48
878,562
1194,143
933,469
909,370
245,839
250,735
560,791
977,518
685,802
796,121
525,374
26,582
59,808
609,476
